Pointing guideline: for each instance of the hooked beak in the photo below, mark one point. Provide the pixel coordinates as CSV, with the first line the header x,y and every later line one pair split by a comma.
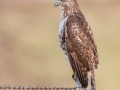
x,y
56,4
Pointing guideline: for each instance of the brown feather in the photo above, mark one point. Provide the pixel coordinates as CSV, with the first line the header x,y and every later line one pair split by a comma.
x,y
77,41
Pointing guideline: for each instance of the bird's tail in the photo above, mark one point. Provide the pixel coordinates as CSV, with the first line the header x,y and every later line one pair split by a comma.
x,y
93,83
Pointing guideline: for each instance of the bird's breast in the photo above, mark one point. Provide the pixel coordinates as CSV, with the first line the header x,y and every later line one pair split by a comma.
x,y
62,35
62,28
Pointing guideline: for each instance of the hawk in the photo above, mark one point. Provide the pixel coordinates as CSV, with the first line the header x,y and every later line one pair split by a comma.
x,y
77,41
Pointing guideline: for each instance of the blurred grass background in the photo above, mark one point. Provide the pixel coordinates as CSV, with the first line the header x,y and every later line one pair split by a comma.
x,y
29,48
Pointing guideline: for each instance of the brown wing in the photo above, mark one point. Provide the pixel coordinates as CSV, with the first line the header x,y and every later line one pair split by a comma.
x,y
81,49
88,32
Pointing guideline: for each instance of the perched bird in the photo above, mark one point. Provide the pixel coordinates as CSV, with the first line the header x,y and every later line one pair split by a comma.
x,y
77,41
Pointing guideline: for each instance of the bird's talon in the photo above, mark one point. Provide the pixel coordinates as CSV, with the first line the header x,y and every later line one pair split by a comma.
x,y
74,76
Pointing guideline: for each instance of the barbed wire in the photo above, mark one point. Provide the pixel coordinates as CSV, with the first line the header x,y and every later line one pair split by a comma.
x,y
35,88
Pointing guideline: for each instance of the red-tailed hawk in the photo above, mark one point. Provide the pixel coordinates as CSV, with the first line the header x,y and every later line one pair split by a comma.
x,y
77,41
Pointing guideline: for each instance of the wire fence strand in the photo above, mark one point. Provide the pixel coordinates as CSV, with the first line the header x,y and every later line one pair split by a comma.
x,y
36,88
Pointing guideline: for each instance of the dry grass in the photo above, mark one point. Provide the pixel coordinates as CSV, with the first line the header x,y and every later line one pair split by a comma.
x,y
29,49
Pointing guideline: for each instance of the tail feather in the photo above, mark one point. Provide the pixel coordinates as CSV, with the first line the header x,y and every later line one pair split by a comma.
x,y
93,83
82,75
80,71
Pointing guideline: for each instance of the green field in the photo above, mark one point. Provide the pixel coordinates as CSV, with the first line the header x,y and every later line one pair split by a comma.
x,y
29,48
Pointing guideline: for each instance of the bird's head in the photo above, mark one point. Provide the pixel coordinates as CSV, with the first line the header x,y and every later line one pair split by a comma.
x,y
64,4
